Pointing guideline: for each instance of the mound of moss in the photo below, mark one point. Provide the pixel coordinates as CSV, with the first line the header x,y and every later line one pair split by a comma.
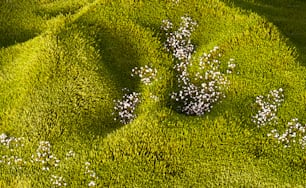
x,y
60,76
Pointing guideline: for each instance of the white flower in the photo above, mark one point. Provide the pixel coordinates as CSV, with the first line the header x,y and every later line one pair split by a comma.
x,y
147,74
91,184
293,134
268,107
125,108
58,181
194,98
3,137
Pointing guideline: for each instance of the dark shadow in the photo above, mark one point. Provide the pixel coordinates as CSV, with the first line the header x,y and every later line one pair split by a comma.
x,y
119,56
17,22
13,35
20,21
66,112
49,10
288,16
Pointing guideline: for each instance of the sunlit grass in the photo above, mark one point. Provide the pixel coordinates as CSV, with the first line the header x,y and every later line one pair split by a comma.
x,y
60,76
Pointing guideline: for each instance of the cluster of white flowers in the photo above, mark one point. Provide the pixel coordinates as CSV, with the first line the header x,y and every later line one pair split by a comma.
x,y
91,184
125,107
44,156
178,42
266,115
13,160
194,97
146,74
230,66
92,175
10,141
70,154
58,181
154,97
294,134
268,107
198,98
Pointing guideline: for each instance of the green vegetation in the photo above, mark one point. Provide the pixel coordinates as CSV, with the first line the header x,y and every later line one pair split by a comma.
x,y
63,63
287,15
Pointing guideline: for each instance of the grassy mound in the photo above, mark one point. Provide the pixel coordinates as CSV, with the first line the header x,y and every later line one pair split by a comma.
x,y
60,74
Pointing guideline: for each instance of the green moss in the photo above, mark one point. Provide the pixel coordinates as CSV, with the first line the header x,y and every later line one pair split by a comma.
x,y
69,60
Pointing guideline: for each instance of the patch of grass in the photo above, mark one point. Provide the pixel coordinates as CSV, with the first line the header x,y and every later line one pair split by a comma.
x,y
58,84
287,15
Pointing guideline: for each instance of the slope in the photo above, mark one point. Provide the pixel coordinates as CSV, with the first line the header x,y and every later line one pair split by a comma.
x,y
60,86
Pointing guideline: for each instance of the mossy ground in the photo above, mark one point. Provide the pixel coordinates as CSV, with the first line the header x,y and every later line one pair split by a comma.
x,y
62,63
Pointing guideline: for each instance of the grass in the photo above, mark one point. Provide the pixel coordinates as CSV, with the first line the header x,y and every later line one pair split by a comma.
x,y
286,15
62,63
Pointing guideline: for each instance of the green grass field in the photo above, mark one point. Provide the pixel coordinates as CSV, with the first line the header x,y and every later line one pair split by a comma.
x,y
63,63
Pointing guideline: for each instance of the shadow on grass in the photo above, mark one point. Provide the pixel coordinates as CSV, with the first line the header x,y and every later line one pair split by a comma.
x,y
17,22
64,108
13,35
118,57
288,16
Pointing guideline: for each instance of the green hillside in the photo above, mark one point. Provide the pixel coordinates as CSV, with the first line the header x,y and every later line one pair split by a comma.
x,y
108,93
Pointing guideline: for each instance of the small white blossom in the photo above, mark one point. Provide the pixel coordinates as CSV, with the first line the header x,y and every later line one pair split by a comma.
x,y
70,154
267,108
154,97
294,134
146,74
10,142
230,66
58,181
179,42
91,174
45,157
197,99
3,137
91,184
193,98
125,107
